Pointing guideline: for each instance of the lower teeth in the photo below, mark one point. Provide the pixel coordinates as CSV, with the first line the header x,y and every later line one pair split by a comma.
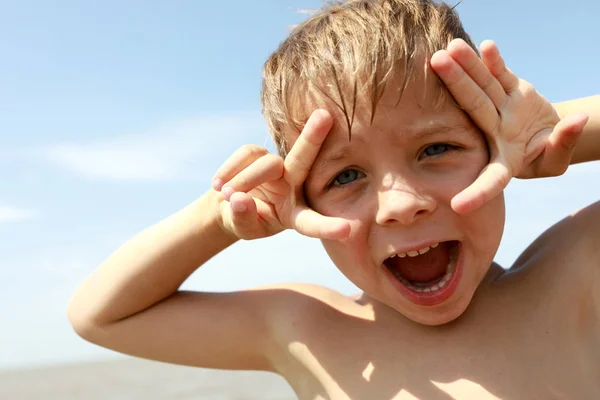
x,y
441,283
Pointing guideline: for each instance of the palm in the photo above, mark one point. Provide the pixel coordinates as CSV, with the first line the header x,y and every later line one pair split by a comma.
x,y
526,137
262,192
271,205
524,126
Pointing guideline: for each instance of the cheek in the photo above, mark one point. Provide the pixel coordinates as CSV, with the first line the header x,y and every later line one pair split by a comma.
x,y
455,178
496,214
355,244
486,226
351,255
347,204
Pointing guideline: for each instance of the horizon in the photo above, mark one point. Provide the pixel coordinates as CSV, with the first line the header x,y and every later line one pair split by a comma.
x,y
116,115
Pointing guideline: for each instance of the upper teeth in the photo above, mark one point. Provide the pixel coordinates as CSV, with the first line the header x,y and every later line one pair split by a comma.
x,y
415,253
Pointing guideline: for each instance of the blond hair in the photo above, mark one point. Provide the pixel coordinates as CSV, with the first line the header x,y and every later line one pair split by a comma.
x,y
349,49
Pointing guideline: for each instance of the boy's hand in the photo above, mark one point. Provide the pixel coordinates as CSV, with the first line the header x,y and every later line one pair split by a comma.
x,y
526,137
264,194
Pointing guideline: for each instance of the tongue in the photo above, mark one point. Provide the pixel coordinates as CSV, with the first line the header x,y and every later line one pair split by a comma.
x,y
422,268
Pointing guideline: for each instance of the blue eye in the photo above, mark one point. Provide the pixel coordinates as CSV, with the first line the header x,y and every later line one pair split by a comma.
x,y
346,177
437,149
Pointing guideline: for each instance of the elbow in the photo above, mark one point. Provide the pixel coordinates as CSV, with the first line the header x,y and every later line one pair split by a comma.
x,y
82,322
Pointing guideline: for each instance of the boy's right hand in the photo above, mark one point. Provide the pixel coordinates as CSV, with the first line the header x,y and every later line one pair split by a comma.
x,y
263,193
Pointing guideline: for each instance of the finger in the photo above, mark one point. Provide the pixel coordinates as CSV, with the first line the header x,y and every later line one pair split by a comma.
x,y
477,70
495,63
490,183
240,159
310,223
267,168
561,145
243,215
304,152
466,92
242,204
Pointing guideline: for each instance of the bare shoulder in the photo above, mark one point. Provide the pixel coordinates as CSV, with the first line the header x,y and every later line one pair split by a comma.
x,y
562,267
307,313
309,302
580,231
587,222
571,246
303,307
307,292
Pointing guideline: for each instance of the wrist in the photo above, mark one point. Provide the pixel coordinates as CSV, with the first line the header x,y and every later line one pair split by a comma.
x,y
588,145
210,205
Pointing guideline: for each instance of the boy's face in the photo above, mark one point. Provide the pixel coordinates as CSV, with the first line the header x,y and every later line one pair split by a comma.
x,y
394,182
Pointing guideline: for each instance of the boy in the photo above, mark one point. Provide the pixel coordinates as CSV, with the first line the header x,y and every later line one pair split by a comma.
x,y
402,181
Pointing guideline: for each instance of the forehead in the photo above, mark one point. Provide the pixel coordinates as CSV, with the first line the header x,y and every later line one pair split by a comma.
x,y
416,114
355,105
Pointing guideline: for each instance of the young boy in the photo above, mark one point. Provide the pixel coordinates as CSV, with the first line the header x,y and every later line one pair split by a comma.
x,y
401,178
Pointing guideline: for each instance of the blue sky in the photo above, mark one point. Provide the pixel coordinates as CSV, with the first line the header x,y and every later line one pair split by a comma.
x,y
115,114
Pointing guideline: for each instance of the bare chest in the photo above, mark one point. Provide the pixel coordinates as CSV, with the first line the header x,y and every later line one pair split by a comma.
x,y
494,370
505,351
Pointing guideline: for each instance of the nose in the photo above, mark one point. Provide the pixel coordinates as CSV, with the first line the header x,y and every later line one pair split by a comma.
x,y
402,205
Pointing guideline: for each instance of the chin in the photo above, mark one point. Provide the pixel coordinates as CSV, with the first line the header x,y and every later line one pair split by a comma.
x,y
437,317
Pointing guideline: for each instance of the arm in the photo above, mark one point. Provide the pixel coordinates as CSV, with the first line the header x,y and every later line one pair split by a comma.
x,y
588,146
131,303
152,265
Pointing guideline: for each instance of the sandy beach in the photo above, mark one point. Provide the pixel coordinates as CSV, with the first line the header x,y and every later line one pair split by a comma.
x,y
134,379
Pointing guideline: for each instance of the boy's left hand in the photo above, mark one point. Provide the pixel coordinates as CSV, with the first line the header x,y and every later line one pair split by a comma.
x,y
526,137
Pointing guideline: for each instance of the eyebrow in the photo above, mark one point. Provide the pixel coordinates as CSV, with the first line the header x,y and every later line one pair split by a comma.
x,y
345,150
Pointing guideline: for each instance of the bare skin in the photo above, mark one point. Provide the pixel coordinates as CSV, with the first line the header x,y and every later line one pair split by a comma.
x,y
515,341
530,333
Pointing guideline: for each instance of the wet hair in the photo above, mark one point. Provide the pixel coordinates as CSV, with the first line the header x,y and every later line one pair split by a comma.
x,y
353,49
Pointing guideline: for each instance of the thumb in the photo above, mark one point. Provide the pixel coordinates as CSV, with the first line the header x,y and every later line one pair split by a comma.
x,y
310,223
490,183
561,144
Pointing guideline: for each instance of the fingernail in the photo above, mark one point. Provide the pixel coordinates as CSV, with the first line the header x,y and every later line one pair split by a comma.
x,y
217,184
238,207
227,191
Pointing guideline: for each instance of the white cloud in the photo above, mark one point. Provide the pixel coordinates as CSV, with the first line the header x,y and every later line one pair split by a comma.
x,y
15,214
306,11
311,11
163,154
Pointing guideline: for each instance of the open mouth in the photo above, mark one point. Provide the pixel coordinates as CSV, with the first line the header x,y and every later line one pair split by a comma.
x,y
427,274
